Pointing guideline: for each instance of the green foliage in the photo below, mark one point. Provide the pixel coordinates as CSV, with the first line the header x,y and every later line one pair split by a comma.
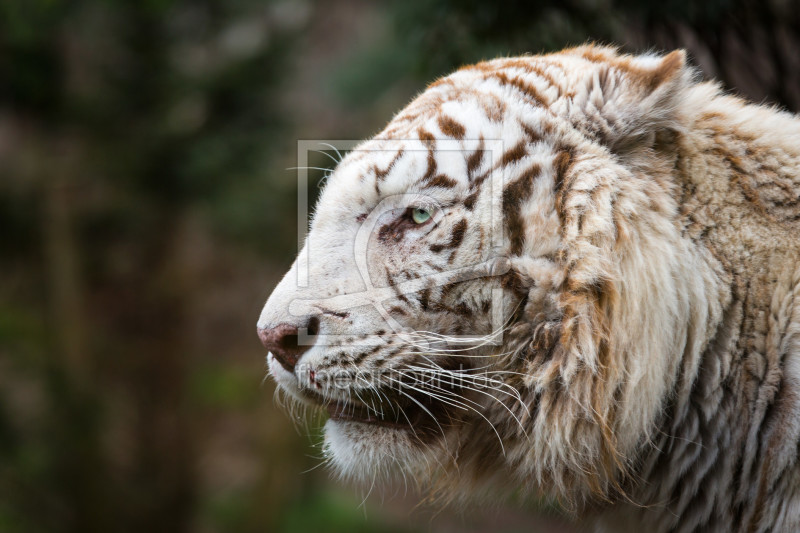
x,y
29,66
218,386
127,118
330,512
429,38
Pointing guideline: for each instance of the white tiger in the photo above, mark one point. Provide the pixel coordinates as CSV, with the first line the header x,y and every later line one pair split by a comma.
x,y
573,274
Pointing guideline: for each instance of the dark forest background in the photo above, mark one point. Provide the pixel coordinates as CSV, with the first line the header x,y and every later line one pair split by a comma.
x,y
146,212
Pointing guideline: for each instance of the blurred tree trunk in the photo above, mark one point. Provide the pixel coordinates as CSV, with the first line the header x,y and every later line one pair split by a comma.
x,y
78,462
62,256
155,318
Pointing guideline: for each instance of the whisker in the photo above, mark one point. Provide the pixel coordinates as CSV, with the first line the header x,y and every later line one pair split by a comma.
x,y
332,147
467,408
410,397
310,168
476,388
323,152
471,378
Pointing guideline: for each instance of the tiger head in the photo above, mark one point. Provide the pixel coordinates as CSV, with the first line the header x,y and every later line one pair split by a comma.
x,y
494,290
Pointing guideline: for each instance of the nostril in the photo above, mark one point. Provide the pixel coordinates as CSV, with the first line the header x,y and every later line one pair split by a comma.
x,y
313,326
288,343
283,342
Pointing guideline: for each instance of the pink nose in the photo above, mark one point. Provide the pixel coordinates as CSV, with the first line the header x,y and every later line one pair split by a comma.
x,y
283,342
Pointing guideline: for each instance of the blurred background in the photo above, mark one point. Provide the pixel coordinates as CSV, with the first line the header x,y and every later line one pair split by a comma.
x,y
146,212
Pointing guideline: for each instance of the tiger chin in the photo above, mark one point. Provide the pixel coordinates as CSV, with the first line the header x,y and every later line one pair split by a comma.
x,y
574,275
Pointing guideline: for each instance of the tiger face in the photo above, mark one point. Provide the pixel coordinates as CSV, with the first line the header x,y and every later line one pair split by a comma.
x,y
458,305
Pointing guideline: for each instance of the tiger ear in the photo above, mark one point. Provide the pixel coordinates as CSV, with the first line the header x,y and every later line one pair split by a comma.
x,y
627,100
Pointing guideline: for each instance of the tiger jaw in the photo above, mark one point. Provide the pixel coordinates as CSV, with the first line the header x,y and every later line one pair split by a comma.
x,y
398,438
420,417
422,401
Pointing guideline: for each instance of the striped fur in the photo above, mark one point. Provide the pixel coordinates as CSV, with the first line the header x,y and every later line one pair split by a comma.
x,y
640,229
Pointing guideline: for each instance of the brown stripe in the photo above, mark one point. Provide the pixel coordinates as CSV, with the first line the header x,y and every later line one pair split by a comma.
x,y
469,201
530,66
456,237
424,298
396,290
440,81
595,55
494,107
514,195
397,310
532,135
428,138
363,355
514,154
440,180
542,73
513,282
434,266
475,159
463,309
380,174
446,289
393,284
561,164
521,85
451,128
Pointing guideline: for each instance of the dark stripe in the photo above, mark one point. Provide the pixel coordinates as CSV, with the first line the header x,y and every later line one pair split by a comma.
x,y
463,309
474,160
514,195
521,85
446,289
440,180
469,201
456,237
428,138
434,266
363,355
380,174
391,282
514,154
512,281
424,298
451,128
561,164
532,135
532,68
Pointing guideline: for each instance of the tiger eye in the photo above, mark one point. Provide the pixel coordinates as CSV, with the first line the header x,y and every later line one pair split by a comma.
x,y
420,215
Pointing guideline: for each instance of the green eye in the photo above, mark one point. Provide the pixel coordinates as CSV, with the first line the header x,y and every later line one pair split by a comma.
x,y
420,215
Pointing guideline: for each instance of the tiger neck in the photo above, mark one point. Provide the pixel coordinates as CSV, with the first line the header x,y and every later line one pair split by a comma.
x,y
735,402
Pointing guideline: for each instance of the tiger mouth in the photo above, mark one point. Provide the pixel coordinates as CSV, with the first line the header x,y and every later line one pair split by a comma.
x,y
351,412
419,413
